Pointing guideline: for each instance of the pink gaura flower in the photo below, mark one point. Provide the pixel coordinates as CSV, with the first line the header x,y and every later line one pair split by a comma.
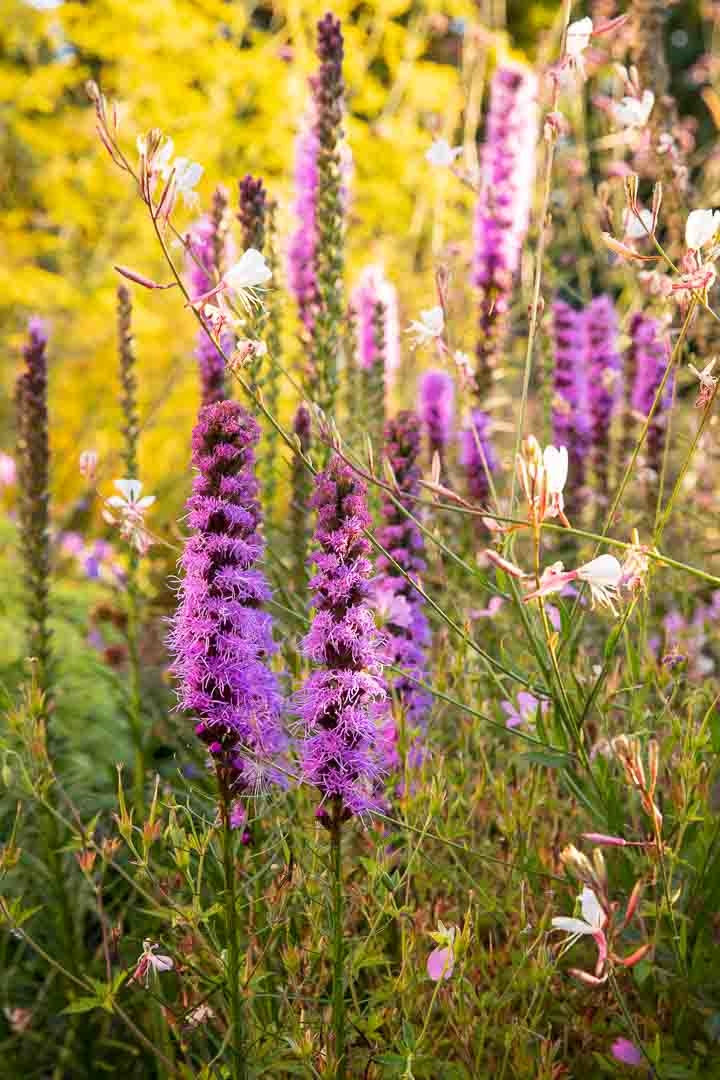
x,y
149,963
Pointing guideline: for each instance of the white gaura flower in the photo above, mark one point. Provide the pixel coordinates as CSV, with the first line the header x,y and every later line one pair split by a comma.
x,y
245,280
633,112
187,176
638,226
603,575
707,381
701,227
592,923
129,497
149,963
162,161
430,326
249,274
577,40
442,154
555,462
128,511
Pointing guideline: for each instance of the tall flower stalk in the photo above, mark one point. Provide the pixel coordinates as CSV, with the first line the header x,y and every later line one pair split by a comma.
x,y
34,478
406,624
374,304
436,406
252,214
343,698
222,642
271,381
477,455
208,245
507,170
604,377
570,406
303,244
300,493
329,91
646,359
131,435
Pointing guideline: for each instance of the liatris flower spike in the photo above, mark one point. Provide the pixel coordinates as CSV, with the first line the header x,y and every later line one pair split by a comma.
x,y
343,699
221,637
502,214
436,406
406,625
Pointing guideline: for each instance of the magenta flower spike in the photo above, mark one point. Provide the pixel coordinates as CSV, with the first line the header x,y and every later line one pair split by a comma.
x,y
208,246
603,373
650,358
221,637
302,248
406,624
436,406
570,407
507,170
477,455
344,698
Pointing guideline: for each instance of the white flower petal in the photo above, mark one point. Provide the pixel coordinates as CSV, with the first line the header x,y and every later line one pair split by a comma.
x,y
590,907
604,571
129,488
578,37
571,926
700,228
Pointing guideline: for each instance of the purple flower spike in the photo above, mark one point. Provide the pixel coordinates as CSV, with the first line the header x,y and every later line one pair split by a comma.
x,y
302,249
571,415
436,405
343,699
650,356
209,248
375,293
603,369
221,637
507,170
406,623
477,455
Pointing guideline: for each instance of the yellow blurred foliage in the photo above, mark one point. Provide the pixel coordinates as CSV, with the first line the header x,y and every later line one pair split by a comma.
x,y
228,82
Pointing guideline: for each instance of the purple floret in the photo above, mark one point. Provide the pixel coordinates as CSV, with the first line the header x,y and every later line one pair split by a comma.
x,y
475,445
406,623
343,699
221,637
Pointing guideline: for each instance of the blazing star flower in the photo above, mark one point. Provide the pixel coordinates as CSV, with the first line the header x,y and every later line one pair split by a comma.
x,y
130,508
442,154
436,406
343,700
148,963
632,112
222,636
429,327
502,210
302,245
701,227
441,961
372,292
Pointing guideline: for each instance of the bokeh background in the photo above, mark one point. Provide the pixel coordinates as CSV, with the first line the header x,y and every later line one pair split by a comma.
x,y
228,82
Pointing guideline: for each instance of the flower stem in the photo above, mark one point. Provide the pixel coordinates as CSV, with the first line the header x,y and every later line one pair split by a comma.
x,y
338,987
238,1069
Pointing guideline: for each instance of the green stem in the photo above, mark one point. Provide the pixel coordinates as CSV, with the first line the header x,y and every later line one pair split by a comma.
x,y
134,694
338,981
232,964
